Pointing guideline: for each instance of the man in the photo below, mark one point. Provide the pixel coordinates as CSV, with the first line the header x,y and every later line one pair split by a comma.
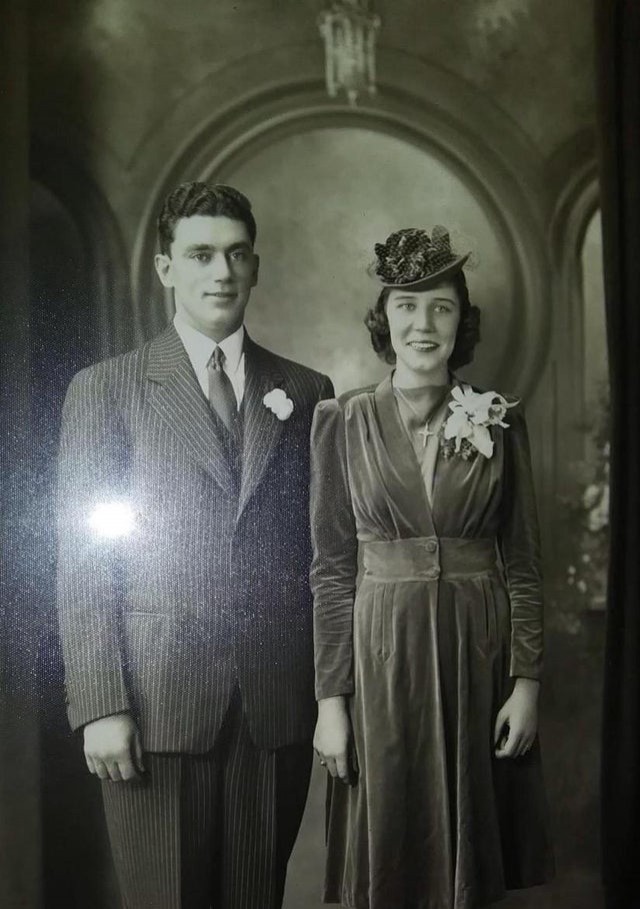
x,y
185,610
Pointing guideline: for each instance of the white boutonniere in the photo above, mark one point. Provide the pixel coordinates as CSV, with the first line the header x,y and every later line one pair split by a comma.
x,y
466,429
278,402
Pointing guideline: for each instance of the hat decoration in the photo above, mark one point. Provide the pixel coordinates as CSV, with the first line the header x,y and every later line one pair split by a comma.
x,y
410,256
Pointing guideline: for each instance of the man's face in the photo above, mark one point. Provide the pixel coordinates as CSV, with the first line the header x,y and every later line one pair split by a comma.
x,y
211,267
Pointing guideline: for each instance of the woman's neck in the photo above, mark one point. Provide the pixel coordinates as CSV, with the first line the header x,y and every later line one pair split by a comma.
x,y
409,378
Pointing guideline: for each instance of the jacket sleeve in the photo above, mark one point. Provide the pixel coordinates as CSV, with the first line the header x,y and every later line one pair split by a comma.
x,y
335,553
519,542
326,389
91,472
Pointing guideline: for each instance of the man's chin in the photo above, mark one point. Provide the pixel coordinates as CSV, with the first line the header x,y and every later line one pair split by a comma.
x,y
218,329
215,322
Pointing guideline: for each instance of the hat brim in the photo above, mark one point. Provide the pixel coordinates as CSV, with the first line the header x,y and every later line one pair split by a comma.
x,y
428,280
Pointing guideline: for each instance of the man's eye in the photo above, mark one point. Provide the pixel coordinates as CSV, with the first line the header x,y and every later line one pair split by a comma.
x,y
201,257
238,255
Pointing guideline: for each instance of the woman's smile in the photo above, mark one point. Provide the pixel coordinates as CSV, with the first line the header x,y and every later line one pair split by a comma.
x,y
423,345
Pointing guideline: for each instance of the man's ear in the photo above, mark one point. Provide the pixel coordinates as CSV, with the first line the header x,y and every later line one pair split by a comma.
x,y
256,269
163,263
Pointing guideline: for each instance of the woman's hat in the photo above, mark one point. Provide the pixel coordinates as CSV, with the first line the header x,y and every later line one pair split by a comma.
x,y
411,258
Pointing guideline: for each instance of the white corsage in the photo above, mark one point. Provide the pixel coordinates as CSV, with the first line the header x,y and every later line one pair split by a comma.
x,y
278,402
466,429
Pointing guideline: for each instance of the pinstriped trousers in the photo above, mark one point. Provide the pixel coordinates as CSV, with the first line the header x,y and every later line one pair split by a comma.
x,y
210,831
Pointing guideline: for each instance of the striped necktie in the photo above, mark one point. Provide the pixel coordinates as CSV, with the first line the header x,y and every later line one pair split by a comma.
x,y
222,398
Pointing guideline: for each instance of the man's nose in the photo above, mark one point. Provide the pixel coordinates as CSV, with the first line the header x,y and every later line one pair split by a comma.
x,y
220,267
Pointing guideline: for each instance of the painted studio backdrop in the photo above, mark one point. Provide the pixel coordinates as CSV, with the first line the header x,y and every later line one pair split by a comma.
x,y
483,119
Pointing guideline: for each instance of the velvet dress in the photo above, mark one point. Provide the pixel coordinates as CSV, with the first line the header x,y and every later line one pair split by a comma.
x,y
427,586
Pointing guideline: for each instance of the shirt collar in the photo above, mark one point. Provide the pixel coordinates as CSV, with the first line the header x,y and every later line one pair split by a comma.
x,y
232,348
200,347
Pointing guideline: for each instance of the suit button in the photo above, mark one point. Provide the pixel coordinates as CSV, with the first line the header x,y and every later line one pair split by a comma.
x,y
432,546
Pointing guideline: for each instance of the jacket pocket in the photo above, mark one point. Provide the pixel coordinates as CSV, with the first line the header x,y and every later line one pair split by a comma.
x,y
382,622
490,625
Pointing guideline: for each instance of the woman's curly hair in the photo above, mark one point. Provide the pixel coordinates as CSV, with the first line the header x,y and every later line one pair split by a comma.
x,y
467,336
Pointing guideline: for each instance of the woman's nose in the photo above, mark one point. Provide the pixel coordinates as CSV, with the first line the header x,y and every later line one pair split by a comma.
x,y
423,319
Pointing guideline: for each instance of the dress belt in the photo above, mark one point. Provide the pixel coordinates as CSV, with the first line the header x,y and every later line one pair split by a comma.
x,y
428,558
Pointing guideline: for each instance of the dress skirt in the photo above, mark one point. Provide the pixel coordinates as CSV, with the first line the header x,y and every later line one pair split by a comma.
x,y
435,821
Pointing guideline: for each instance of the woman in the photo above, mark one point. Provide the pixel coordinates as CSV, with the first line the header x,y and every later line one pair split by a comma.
x,y
427,677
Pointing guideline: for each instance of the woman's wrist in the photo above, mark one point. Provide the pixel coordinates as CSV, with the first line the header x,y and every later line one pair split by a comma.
x,y
528,686
335,704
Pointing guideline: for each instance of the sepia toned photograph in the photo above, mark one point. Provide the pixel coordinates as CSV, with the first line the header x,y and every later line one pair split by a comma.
x,y
319,488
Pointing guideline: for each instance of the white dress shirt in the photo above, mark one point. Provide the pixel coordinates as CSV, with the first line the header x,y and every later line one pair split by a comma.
x,y
200,348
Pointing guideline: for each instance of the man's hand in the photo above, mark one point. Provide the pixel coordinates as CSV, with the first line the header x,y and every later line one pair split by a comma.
x,y
333,740
517,722
113,748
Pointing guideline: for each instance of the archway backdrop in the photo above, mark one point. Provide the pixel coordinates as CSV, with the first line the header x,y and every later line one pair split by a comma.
x,y
327,195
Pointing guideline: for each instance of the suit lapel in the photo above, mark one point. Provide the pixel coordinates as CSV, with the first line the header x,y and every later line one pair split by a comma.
x,y
262,429
177,398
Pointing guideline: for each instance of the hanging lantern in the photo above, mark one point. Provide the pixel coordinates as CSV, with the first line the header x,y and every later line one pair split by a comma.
x,y
349,30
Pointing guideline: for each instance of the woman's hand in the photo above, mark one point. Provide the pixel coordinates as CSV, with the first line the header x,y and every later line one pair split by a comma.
x,y
517,720
333,739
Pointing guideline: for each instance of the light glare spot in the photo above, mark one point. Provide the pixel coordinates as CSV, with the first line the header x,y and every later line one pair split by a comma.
x,y
112,519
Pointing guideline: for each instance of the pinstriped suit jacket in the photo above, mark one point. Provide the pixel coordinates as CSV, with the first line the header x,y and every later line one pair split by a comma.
x,y
211,587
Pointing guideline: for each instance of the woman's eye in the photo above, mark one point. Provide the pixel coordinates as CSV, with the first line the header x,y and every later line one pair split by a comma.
x,y
442,308
408,307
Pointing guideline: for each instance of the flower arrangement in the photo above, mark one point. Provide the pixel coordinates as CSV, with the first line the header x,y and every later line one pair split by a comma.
x,y
587,571
583,530
466,431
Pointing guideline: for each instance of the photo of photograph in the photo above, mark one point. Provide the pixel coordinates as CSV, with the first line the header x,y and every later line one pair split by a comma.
x,y
319,487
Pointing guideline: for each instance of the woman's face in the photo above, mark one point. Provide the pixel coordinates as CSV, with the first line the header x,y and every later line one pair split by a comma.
x,y
423,326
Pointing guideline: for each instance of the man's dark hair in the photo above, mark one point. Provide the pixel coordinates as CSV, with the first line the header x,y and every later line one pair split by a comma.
x,y
201,199
467,335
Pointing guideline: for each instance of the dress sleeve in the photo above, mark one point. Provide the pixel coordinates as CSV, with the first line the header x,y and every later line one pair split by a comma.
x,y
335,553
520,548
